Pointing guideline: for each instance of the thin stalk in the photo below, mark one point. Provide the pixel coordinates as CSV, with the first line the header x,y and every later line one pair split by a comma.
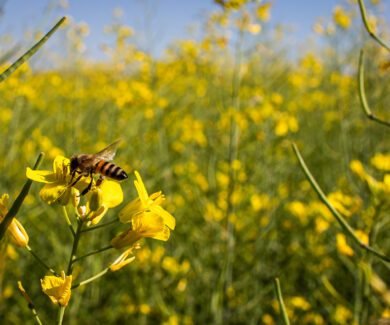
x,y
368,27
340,219
31,305
96,276
66,216
108,223
13,211
30,52
362,93
41,262
72,258
278,292
92,253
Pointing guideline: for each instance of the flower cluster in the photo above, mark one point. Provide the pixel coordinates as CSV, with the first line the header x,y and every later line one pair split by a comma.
x,y
144,215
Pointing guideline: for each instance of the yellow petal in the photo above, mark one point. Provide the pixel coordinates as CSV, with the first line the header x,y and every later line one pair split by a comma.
x,y
127,238
57,288
130,210
122,260
42,176
169,220
112,193
55,193
140,186
58,165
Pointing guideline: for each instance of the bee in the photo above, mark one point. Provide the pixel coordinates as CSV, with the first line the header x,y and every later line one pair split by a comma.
x,y
98,163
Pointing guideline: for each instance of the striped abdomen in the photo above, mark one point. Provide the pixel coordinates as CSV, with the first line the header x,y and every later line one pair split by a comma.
x,y
111,170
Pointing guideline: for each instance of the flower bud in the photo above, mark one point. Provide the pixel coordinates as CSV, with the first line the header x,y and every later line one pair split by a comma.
x,y
18,234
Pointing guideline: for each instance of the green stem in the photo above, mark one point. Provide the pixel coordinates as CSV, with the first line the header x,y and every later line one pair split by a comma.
x,y
278,293
42,263
101,225
66,216
30,52
343,223
60,315
368,27
72,258
92,253
100,274
13,211
362,93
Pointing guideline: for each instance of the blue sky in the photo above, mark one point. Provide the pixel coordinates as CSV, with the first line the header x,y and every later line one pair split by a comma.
x,y
166,19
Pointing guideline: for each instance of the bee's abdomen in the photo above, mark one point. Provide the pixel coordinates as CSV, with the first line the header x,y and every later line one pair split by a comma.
x,y
111,170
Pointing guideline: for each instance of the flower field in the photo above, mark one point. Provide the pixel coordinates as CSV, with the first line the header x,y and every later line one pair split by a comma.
x,y
211,123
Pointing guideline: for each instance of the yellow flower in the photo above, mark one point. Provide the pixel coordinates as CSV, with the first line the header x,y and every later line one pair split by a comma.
x,y
381,161
57,288
56,187
342,245
145,204
108,195
148,225
147,218
263,11
341,18
15,231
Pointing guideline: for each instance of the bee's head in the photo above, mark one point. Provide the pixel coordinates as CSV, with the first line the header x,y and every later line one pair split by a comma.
x,y
73,164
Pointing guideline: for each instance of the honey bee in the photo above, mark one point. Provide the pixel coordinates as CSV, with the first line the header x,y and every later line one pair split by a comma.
x,y
98,163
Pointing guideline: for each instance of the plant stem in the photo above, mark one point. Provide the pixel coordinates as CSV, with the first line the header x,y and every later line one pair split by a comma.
x,y
368,27
31,305
42,263
278,293
362,93
343,223
93,253
101,225
72,258
100,274
30,52
66,216
13,211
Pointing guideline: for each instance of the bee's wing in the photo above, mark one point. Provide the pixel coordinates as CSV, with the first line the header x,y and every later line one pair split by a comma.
x,y
108,153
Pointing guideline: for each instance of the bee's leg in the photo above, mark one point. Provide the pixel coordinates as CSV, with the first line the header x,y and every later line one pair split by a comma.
x,y
86,190
100,180
77,179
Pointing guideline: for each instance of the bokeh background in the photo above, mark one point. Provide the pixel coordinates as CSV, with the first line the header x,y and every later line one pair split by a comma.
x,y
207,97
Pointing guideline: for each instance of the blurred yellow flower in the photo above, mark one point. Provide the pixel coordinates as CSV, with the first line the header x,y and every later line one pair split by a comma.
x,y
341,17
57,288
15,231
381,162
263,12
300,303
342,245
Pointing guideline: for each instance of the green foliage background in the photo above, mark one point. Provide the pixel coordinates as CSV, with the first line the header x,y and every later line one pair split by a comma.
x,y
210,123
